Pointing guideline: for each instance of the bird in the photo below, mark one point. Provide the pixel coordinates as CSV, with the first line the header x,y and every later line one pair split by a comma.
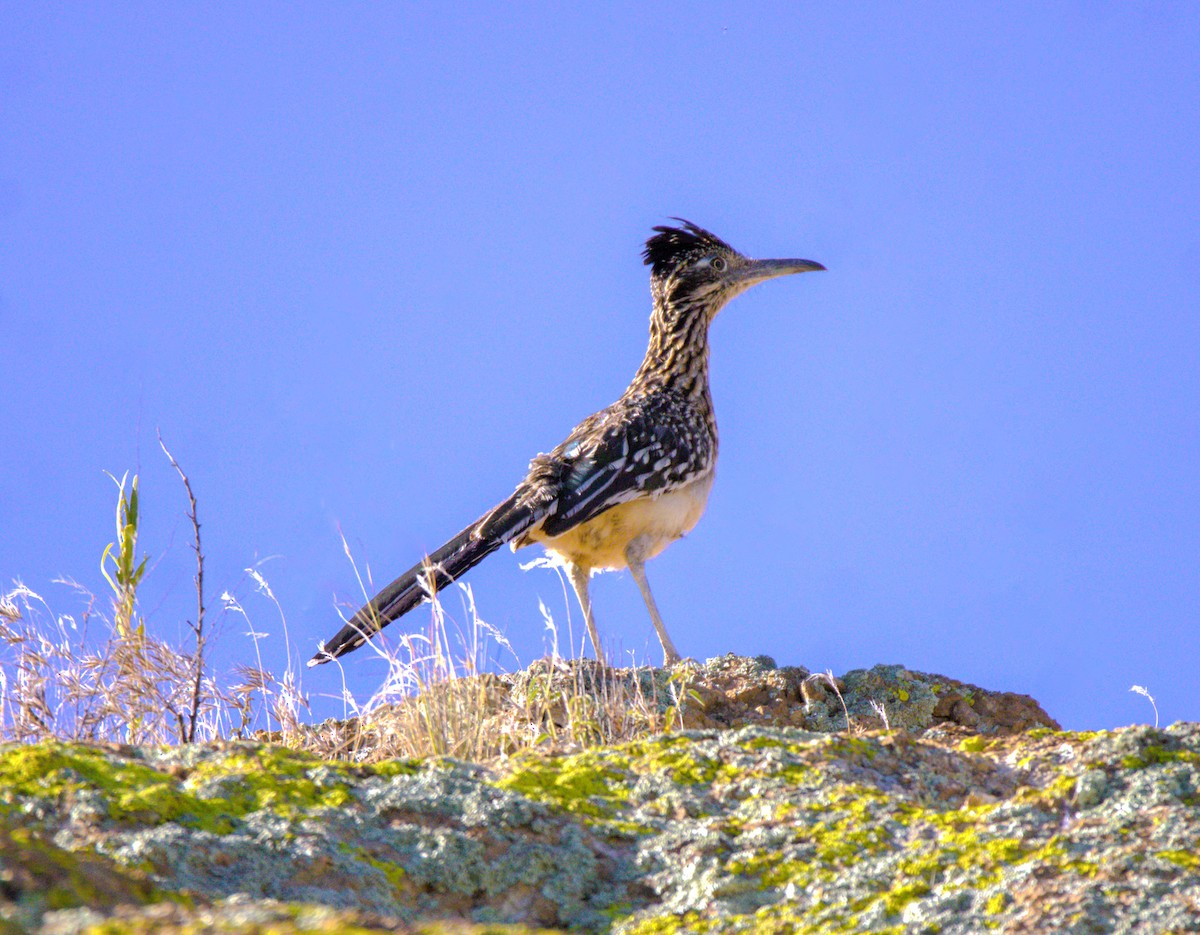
x,y
628,480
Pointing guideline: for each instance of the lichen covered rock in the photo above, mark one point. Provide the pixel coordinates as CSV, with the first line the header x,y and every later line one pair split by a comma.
x,y
768,826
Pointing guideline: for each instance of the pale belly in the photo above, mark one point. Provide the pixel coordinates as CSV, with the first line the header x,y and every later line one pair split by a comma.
x,y
600,543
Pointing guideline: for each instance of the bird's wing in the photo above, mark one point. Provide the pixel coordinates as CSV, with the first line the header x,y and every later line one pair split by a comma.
x,y
633,449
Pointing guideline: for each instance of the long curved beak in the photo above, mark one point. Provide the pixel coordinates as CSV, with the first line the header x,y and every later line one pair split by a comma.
x,y
757,271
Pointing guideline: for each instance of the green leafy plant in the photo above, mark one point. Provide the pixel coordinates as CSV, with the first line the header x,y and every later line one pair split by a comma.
x,y
127,571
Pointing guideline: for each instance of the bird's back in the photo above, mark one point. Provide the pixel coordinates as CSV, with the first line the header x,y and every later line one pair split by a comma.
x,y
642,467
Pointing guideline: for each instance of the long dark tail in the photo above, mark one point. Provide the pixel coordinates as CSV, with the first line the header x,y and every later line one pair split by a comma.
x,y
436,571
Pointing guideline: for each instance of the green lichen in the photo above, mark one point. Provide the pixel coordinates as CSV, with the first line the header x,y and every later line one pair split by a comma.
x,y
844,745
949,849
295,919
596,784
392,871
210,796
271,778
759,830
900,896
586,784
785,918
683,924
847,832
1059,790
132,791
767,742
675,756
38,871
1185,859
1155,755
773,869
389,769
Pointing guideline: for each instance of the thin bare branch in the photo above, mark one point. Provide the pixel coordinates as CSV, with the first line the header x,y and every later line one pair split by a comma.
x,y
198,626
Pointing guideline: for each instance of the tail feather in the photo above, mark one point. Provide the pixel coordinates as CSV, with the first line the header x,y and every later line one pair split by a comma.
x,y
436,571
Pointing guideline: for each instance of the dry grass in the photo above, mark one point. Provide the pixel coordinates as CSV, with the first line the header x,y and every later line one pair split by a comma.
x,y
105,677
441,697
57,680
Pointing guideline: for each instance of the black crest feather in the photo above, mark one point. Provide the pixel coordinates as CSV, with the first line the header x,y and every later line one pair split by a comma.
x,y
671,246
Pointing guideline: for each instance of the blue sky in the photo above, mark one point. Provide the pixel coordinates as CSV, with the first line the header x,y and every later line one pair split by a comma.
x,y
359,264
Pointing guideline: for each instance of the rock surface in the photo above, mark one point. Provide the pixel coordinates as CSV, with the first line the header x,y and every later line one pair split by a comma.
x,y
969,812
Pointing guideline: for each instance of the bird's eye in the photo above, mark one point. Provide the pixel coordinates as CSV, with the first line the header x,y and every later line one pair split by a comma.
x,y
719,264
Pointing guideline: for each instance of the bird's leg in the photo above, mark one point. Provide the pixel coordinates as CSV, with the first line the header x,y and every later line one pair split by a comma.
x,y
579,581
637,567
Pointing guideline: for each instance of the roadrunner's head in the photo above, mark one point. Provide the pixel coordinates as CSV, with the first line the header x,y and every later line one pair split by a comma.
x,y
691,267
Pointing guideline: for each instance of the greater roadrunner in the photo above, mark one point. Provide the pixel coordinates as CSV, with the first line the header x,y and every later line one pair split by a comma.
x,y
630,479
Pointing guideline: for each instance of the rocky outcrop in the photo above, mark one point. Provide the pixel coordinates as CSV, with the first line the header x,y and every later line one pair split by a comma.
x,y
768,816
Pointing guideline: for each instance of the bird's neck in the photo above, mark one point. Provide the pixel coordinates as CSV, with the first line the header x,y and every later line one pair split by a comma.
x,y
677,355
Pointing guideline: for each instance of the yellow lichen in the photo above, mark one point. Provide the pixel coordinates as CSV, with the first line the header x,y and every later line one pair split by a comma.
x,y
1185,859
900,896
